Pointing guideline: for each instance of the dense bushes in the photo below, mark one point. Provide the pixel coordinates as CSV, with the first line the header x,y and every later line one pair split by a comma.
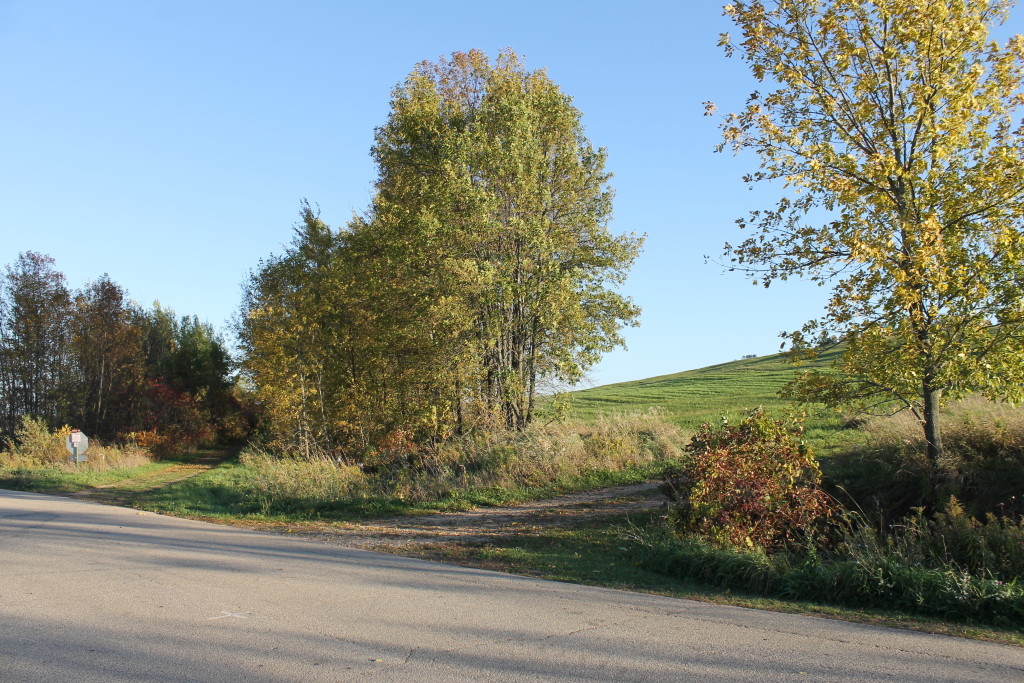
x,y
754,484
992,546
906,542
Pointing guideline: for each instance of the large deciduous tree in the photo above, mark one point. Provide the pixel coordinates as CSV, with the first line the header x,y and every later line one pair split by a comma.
x,y
893,124
483,267
292,336
35,306
109,365
495,205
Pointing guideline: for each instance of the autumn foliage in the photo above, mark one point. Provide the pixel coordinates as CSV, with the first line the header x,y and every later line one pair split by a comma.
x,y
893,129
750,485
483,271
95,360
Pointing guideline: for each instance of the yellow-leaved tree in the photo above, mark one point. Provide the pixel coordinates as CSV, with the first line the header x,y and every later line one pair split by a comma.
x,y
483,269
494,207
894,127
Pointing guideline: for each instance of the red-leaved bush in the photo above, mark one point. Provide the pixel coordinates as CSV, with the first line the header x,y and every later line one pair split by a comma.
x,y
175,421
751,485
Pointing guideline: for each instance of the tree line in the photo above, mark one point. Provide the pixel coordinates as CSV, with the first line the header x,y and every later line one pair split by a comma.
x,y
483,269
94,360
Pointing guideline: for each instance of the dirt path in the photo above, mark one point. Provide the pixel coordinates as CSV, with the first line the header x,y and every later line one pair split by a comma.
x,y
124,492
405,534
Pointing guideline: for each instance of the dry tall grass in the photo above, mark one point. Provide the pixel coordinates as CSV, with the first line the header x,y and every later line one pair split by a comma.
x,y
972,427
543,455
983,465
35,445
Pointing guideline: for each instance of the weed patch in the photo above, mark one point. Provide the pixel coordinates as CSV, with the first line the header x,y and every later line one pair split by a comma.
x,y
868,577
35,448
478,469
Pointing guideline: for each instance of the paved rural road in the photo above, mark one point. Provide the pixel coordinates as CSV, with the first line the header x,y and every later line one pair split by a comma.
x,y
97,593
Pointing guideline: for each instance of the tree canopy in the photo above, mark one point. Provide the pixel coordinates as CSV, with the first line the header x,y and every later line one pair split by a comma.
x,y
894,126
483,268
489,188
96,360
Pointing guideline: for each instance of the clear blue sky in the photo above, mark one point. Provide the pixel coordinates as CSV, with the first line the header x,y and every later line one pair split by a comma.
x,y
169,143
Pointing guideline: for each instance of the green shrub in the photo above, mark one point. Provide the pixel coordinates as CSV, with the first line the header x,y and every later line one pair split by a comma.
x,y
868,570
34,444
751,485
993,546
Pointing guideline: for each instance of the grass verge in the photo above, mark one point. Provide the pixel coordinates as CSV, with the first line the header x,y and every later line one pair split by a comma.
x,y
63,481
232,491
602,553
120,484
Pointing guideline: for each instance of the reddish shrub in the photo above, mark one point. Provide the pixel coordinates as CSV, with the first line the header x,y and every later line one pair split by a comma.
x,y
751,485
174,419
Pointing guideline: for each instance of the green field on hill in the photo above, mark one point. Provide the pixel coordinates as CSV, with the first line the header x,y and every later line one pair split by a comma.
x,y
729,390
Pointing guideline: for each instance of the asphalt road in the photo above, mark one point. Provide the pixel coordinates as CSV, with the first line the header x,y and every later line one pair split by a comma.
x,y
97,593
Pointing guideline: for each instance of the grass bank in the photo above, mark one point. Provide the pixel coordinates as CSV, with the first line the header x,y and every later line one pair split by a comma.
x,y
606,552
476,470
728,390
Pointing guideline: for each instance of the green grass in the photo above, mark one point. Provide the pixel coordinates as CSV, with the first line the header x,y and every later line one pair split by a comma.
x,y
118,481
602,553
230,492
696,396
728,390
216,493
58,480
874,573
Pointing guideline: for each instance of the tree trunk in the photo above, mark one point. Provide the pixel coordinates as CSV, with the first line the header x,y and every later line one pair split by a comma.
x,y
459,428
932,433
99,394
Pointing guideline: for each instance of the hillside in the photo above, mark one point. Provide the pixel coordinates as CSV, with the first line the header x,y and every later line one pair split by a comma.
x,y
690,398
